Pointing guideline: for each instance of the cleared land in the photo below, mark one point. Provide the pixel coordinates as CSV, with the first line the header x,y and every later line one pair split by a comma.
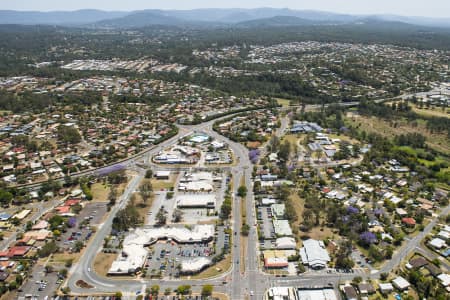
x,y
439,142
103,262
283,102
432,112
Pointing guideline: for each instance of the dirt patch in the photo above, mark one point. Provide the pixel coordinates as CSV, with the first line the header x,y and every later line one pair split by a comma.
x,y
83,284
103,262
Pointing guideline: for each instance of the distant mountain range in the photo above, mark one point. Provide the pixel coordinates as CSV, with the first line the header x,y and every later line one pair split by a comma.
x,y
202,17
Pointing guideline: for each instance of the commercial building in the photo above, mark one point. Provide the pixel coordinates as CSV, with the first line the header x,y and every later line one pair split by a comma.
x,y
195,265
134,250
162,175
280,293
196,201
278,210
285,243
314,254
282,228
316,294
275,262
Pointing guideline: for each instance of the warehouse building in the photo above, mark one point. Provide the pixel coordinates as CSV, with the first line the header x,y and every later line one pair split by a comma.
x,y
314,254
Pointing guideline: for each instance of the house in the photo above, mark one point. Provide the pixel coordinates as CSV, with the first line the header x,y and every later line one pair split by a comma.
x,y
4,216
3,276
434,271
385,288
63,209
410,222
444,235
40,225
401,212
350,293
22,215
366,289
314,254
445,279
16,251
418,262
5,225
437,243
401,283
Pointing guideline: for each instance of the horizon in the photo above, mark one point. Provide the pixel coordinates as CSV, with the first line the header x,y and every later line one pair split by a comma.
x,y
438,9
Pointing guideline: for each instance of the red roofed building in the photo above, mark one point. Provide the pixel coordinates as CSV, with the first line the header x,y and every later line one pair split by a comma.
x,y
63,209
409,222
275,262
72,202
16,251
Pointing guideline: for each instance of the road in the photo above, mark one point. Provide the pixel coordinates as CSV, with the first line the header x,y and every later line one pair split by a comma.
x,y
240,285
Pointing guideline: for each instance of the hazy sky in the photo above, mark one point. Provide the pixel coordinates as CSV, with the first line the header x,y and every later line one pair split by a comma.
x,y
430,8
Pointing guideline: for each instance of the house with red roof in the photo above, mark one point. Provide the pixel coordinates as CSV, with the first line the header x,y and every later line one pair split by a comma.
x,y
410,222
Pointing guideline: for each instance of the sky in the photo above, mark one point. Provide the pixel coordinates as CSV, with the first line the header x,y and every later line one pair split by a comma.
x,y
428,8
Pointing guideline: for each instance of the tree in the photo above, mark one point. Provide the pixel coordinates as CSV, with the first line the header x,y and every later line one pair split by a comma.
x,y
78,246
161,216
145,191
5,197
245,229
148,174
242,191
118,295
47,249
19,279
167,291
177,215
112,196
48,269
183,289
207,290
285,151
63,272
68,135
154,290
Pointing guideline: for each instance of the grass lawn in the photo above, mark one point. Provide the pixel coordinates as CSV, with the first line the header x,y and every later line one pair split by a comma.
x,y
284,102
103,262
243,250
216,269
294,139
63,257
320,233
299,206
162,184
100,192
